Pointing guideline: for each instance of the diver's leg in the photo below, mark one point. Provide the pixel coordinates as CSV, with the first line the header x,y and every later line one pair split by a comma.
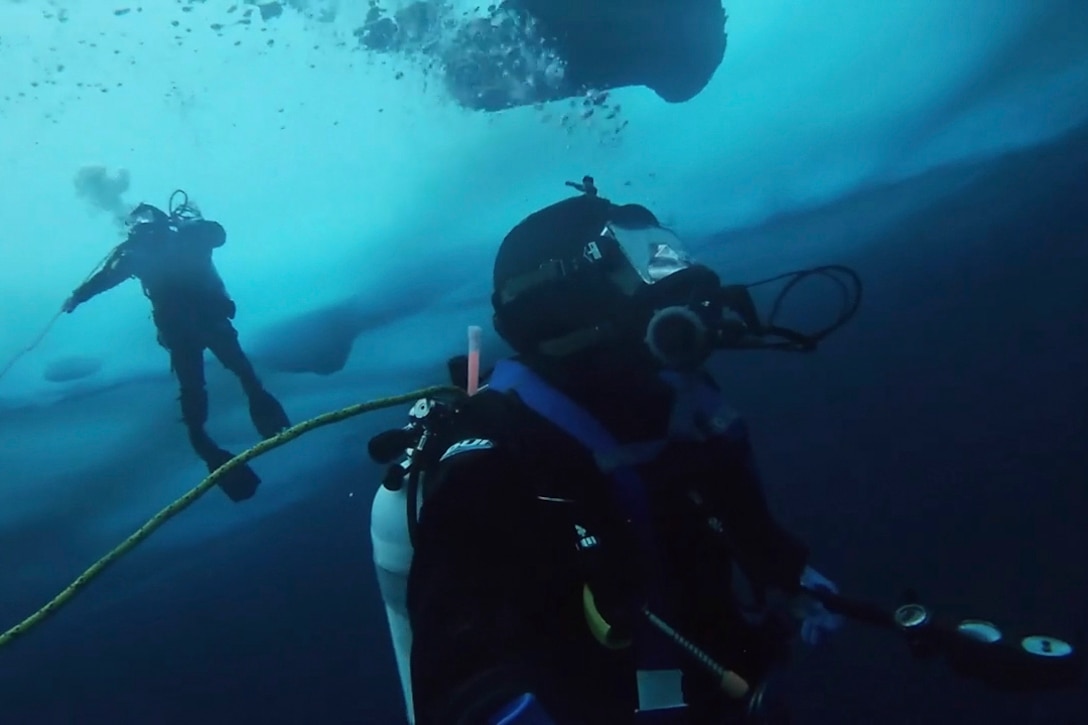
x,y
265,411
187,360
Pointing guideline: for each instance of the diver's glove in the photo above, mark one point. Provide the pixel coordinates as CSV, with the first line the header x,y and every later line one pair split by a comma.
x,y
816,620
522,710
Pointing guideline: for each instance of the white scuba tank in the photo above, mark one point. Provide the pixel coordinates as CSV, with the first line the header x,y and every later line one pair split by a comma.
x,y
392,559
392,543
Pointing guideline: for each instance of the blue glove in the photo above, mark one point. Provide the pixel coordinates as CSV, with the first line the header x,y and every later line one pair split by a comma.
x,y
522,710
816,620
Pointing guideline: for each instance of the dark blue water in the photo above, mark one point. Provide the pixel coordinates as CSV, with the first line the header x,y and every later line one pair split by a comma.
x,y
937,443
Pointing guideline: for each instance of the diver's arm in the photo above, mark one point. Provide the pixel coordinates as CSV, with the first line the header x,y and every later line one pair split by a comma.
x,y
471,544
769,555
117,269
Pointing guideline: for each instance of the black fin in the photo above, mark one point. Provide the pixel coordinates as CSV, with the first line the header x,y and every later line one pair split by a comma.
x,y
268,416
239,483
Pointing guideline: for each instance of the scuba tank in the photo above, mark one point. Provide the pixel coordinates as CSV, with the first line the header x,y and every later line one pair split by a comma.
x,y
392,560
393,516
397,502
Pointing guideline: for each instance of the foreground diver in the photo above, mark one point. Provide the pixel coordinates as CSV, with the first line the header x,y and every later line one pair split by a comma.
x,y
171,256
532,51
583,513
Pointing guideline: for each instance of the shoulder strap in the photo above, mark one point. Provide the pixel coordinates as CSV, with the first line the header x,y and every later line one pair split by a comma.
x,y
560,410
628,489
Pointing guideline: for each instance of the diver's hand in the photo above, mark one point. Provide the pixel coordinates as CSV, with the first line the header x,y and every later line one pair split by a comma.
x,y
69,305
816,621
522,710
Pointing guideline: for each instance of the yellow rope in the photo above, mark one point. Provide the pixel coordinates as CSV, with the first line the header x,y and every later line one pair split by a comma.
x,y
201,488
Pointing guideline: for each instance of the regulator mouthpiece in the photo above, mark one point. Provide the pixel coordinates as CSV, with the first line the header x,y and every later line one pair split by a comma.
x,y
678,338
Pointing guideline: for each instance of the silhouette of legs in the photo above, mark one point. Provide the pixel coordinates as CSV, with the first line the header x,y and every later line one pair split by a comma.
x,y
187,361
265,411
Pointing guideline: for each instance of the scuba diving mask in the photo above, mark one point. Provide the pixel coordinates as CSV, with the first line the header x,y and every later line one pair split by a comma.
x,y
145,217
676,302
633,281
685,313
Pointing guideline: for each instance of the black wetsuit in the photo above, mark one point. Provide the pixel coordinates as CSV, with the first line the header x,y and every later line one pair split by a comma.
x,y
495,589
192,312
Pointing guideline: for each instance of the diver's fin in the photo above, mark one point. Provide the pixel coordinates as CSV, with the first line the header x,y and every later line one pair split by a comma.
x,y
267,414
239,483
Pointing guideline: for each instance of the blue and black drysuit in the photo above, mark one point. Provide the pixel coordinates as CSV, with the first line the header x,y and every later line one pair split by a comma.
x,y
495,593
